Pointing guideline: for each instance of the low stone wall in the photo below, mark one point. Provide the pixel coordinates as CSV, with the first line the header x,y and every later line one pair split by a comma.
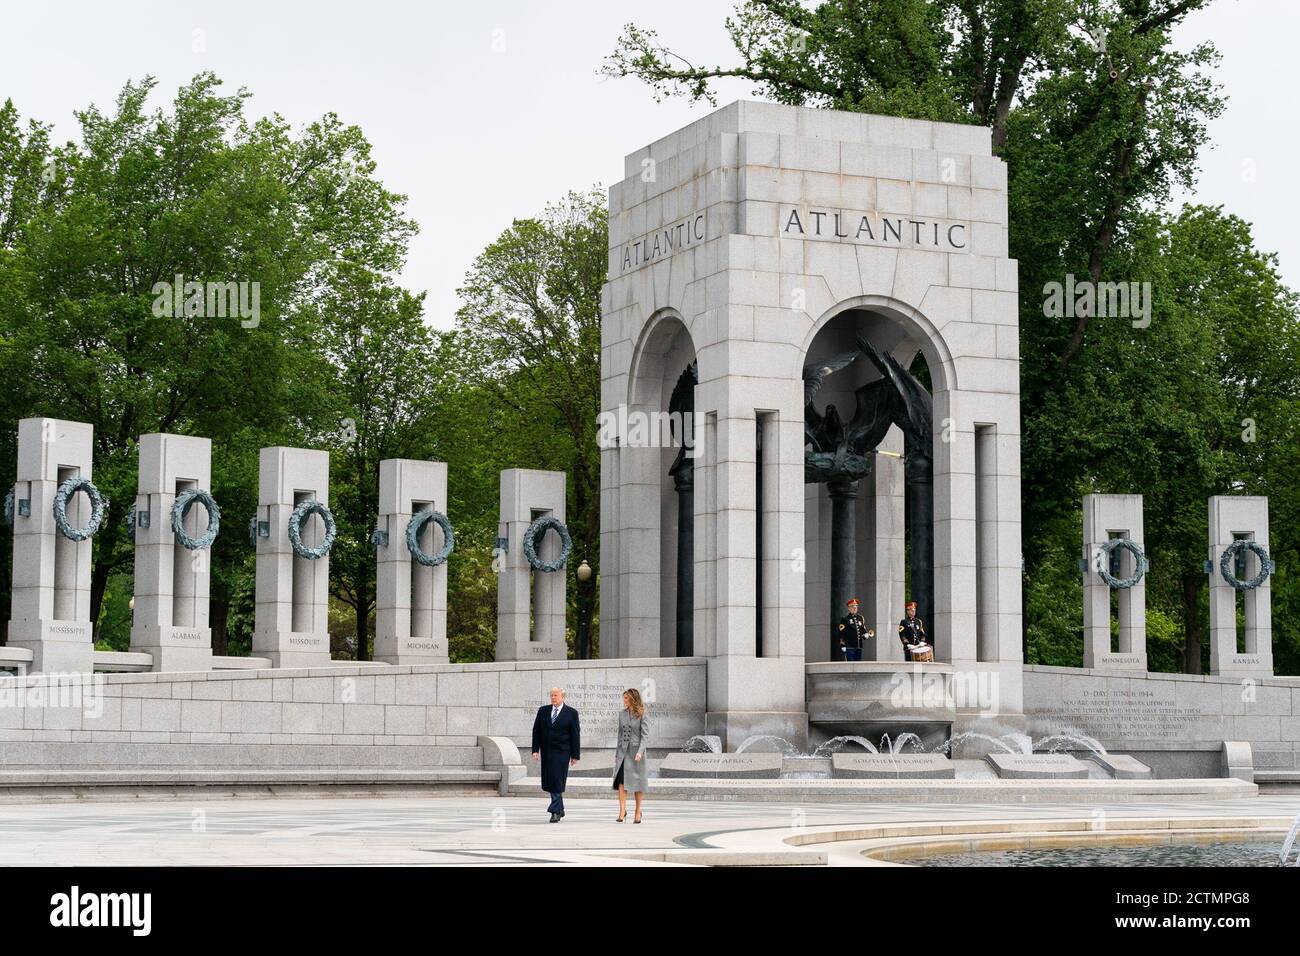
x,y
408,718
1176,723
341,716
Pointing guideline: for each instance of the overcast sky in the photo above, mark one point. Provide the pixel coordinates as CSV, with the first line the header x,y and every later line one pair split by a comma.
x,y
483,112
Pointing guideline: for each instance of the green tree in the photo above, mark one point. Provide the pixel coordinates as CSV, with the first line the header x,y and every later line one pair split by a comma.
x,y
882,56
477,434
24,155
532,317
379,361
1202,402
87,331
1199,402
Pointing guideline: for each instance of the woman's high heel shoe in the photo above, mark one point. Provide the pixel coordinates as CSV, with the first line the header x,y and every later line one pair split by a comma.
x,y
620,818
636,819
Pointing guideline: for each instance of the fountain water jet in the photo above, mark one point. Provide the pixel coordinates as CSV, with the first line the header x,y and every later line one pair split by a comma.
x,y
787,749
1023,745
895,746
1089,743
836,744
1290,841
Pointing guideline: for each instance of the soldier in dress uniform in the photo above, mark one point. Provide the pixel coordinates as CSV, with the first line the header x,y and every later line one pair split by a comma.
x,y
911,631
852,630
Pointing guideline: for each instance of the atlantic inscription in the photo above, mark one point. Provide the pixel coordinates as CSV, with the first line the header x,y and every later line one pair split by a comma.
x,y
873,228
662,243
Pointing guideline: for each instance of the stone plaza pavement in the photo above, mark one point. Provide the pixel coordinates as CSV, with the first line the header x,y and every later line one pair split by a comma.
x,y
489,831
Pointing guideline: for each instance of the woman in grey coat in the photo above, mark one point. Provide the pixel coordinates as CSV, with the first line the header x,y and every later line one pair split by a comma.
x,y
630,771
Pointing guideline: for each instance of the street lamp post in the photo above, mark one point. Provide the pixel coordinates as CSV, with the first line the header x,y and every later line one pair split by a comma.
x,y
583,649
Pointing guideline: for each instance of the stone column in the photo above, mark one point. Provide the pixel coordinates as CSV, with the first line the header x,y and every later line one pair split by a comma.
x,y
953,623
816,577
918,467
610,581
1233,516
411,598
684,485
1105,516
978,566
844,553
750,695
170,620
51,573
642,540
881,572
291,624
530,604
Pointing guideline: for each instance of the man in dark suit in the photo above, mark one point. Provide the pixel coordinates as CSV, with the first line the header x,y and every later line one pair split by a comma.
x,y
557,742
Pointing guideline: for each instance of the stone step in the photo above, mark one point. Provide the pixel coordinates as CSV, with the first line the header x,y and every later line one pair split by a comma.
x,y
26,786
992,790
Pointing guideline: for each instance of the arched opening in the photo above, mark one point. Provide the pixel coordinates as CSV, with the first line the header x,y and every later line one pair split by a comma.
x,y
870,533
656,464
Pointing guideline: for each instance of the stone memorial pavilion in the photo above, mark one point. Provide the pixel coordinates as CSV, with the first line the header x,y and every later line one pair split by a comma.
x,y
821,307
